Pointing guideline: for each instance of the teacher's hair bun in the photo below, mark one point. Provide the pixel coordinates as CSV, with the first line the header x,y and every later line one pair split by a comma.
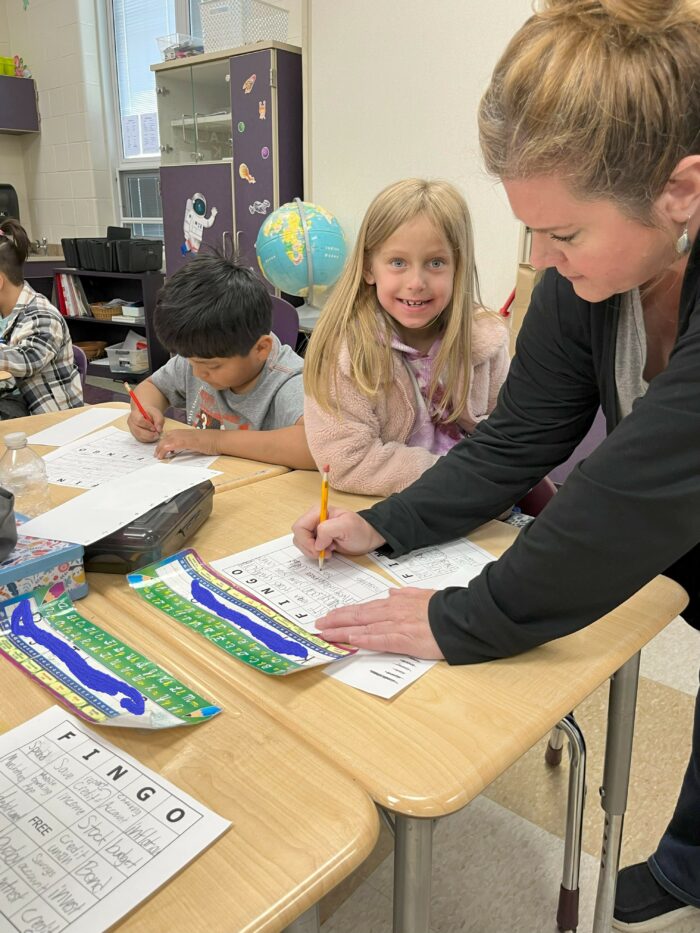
x,y
644,17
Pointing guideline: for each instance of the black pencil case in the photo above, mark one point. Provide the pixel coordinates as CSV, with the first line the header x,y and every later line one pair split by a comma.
x,y
155,535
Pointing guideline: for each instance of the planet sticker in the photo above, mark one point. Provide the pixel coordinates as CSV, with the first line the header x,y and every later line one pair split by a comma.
x,y
241,127
265,152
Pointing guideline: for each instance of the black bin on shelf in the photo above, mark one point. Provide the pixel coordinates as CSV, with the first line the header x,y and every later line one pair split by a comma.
x,y
103,254
70,252
83,252
139,255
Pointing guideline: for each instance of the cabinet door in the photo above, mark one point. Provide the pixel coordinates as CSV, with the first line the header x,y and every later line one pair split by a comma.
x,y
254,189
18,110
176,121
212,110
197,210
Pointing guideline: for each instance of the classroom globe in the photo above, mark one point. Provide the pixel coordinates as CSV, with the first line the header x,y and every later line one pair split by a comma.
x,y
282,252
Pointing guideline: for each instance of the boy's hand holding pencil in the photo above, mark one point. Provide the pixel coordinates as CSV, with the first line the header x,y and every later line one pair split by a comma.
x,y
145,421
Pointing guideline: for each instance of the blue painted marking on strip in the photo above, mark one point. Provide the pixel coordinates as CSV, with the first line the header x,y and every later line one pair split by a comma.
x,y
22,624
272,640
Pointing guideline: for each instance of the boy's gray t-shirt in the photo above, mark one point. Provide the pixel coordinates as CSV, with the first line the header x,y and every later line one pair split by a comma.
x,y
276,400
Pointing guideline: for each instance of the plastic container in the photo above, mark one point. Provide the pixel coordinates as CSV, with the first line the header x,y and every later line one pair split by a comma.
x,y
179,45
227,24
127,361
23,473
154,535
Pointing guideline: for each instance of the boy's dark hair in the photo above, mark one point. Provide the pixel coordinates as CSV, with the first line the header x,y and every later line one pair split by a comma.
x,y
14,249
212,307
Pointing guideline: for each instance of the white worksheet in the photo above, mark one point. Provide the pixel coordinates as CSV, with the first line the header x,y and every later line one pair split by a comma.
x,y
105,455
280,575
65,432
87,831
115,503
436,568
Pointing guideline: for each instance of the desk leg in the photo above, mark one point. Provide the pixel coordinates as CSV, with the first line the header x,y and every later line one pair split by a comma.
x,y
616,774
308,922
413,865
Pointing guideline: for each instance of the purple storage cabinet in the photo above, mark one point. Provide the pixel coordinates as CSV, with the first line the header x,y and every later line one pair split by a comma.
x,y
266,169
266,112
189,193
18,108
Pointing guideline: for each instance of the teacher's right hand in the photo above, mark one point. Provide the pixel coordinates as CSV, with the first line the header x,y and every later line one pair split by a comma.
x,y
343,531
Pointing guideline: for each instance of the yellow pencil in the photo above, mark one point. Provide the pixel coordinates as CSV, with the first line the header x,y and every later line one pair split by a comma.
x,y
324,509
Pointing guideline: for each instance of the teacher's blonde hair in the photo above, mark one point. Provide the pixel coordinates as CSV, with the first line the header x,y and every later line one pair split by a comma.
x,y
602,92
354,318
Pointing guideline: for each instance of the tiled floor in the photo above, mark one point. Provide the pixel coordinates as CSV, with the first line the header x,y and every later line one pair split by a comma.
x,y
497,863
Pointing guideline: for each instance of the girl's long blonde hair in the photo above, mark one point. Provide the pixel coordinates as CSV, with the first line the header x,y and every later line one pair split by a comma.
x,y
353,317
604,92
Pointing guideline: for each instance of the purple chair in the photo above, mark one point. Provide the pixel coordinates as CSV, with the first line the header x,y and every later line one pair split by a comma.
x,y
81,364
285,321
534,501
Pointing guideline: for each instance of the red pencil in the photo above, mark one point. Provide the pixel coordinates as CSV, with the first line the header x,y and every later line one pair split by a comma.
x,y
505,310
134,399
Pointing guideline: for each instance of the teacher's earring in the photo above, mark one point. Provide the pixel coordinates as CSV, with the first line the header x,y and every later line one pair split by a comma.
x,y
683,241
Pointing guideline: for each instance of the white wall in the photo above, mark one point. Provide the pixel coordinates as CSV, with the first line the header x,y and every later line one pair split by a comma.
x,y
393,92
67,182
11,147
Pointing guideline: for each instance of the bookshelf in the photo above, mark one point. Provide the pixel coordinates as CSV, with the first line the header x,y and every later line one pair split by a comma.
x,y
103,286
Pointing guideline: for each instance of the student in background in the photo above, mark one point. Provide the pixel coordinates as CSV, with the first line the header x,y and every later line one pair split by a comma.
x,y
35,346
592,121
236,382
403,362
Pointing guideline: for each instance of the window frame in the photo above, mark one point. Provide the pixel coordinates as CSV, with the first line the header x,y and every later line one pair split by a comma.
x,y
121,165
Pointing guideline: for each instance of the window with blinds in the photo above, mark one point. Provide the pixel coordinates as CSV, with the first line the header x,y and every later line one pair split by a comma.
x,y
137,26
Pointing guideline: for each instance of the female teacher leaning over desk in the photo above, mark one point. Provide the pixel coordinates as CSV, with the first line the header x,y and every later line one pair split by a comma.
x,y
592,122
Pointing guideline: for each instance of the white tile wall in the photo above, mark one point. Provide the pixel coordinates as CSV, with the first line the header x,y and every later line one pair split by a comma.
x,y
63,175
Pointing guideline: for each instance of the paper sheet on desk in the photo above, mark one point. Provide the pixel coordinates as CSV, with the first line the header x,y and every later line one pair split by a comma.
x,y
65,432
147,827
106,455
435,568
115,503
278,573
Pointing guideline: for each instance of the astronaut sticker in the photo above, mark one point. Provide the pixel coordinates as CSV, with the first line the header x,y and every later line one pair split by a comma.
x,y
259,207
262,109
248,84
195,222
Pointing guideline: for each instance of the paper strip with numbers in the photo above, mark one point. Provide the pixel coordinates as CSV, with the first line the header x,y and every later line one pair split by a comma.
x,y
94,674
238,620
87,832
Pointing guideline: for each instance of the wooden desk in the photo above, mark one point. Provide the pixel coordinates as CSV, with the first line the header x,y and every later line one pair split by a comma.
x,y
235,472
299,825
429,751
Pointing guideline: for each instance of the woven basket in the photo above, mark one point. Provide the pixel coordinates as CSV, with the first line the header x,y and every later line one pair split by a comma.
x,y
93,349
102,313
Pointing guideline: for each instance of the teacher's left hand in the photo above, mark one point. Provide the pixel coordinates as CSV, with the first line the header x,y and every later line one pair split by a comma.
x,y
398,624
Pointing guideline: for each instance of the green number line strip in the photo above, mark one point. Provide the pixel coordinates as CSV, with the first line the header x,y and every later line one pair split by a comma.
x,y
221,633
145,675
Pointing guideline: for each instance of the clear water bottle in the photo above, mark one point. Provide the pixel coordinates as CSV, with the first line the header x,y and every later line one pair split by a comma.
x,y
23,473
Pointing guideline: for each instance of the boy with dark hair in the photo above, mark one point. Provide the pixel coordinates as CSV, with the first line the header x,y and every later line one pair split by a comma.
x,y
234,379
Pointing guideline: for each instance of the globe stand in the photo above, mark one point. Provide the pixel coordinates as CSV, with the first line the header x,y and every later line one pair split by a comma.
x,y
308,312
